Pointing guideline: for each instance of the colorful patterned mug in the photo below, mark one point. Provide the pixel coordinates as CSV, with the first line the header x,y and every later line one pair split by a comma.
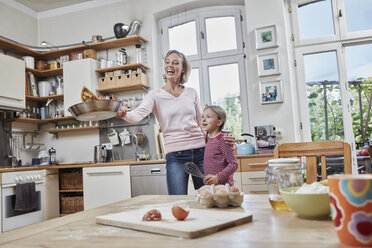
x,y
351,208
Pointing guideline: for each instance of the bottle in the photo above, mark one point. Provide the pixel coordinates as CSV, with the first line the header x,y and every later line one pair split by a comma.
x,y
282,173
125,57
138,53
52,156
59,89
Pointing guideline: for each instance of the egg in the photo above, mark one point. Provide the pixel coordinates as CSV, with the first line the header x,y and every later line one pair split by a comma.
x,y
204,192
152,215
179,213
234,189
220,191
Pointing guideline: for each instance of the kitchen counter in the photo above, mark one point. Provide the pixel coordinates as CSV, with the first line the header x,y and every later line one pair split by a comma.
x,y
91,164
78,165
270,228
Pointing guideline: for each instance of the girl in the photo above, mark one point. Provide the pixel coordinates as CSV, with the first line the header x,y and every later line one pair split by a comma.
x,y
219,159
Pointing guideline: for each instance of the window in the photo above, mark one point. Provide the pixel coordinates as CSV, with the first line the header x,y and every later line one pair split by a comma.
x,y
334,68
212,40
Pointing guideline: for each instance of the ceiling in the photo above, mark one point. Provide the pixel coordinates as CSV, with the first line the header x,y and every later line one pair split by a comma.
x,y
44,5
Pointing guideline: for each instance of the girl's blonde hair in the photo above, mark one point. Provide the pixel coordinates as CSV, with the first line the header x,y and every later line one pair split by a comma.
x,y
185,65
220,112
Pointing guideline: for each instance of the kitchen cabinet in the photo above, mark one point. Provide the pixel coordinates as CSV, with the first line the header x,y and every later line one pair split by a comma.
x,y
76,74
12,83
105,185
51,194
253,174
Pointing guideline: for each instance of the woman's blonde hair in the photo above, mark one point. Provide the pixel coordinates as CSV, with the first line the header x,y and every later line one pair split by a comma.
x,y
220,112
185,65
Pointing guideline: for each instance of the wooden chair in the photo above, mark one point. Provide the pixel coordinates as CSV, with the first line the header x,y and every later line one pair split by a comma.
x,y
312,150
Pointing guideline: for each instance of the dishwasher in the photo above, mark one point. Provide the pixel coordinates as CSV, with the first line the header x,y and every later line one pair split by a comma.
x,y
149,179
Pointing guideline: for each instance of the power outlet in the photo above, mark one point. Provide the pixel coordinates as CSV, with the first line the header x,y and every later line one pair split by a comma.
x,y
108,146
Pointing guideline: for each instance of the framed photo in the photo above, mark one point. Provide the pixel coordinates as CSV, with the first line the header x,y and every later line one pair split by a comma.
x,y
271,92
266,37
268,64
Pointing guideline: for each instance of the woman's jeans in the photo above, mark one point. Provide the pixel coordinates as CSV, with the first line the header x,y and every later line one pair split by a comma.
x,y
177,178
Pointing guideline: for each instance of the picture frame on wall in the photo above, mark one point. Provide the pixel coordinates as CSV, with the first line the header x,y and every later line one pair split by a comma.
x,y
268,64
266,37
271,92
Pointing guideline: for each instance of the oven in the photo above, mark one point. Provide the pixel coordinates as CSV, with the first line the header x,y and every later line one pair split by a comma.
x,y
12,219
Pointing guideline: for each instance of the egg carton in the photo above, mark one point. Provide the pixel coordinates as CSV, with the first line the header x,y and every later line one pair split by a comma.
x,y
218,196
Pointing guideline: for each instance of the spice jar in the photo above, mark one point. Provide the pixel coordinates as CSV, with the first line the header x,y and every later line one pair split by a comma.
x,y
282,173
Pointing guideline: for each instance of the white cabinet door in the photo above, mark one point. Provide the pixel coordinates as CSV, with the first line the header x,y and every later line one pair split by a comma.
x,y
104,185
12,83
51,194
76,74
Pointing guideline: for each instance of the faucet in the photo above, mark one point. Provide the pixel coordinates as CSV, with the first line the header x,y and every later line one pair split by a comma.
x,y
136,153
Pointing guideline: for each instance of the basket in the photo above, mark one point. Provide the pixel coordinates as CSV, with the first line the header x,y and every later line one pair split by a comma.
x,y
72,204
70,181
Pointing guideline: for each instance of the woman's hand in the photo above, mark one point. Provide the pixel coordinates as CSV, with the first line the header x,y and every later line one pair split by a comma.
x,y
229,138
211,179
122,112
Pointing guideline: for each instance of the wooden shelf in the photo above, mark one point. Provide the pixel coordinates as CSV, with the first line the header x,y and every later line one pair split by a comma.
x,y
123,67
70,190
37,121
44,98
10,46
123,88
45,73
72,129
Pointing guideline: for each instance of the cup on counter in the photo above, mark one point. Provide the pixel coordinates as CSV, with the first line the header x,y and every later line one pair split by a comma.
x,y
351,208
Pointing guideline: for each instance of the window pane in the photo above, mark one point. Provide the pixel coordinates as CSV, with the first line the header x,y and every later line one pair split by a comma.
x,y
193,81
183,38
224,87
221,35
358,15
315,19
324,96
359,75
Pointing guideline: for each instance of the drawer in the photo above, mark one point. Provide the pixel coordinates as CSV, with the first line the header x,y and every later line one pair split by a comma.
x,y
255,189
254,177
254,164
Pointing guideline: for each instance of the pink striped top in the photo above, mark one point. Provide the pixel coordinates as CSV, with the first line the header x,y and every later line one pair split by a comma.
x,y
220,160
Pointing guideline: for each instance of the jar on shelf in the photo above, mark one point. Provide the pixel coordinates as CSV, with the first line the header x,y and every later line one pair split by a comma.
x,y
282,173
138,53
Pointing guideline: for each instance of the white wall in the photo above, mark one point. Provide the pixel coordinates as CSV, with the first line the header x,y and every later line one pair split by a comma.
x,y
262,13
75,27
17,25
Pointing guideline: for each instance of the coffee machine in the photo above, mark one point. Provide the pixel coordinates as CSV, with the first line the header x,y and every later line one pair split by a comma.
x,y
265,138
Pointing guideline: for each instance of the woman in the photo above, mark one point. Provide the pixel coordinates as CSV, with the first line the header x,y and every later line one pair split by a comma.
x,y
177,109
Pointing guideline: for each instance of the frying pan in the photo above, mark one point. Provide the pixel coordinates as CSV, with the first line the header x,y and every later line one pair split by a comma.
x,y
95,110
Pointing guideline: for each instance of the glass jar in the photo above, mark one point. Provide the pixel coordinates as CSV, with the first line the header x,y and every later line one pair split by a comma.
x,y
282,173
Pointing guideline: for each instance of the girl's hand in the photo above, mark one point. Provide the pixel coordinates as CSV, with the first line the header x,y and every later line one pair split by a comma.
x,y
211,179
122,112
229,138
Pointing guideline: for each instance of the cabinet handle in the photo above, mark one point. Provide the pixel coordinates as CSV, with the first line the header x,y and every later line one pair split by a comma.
x,y
257,178
155,171
257,164
111,173
12,98
258,191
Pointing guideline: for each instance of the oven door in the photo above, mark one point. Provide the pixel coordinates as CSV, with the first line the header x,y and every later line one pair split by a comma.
x,y
14,219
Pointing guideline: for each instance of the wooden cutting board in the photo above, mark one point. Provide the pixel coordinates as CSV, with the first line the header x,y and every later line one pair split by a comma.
x,y
200,222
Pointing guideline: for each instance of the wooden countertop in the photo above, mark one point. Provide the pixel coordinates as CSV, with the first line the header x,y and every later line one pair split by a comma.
x,y
78,165
91,164
270,228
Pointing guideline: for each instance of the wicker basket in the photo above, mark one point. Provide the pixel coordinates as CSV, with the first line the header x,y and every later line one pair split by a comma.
x,y
72,204
70,181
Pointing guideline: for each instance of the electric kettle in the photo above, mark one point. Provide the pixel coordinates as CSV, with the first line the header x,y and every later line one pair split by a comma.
x,y
246,148
100,154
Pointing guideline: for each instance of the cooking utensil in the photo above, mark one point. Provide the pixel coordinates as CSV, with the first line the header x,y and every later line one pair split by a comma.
x,y
95,110
193,169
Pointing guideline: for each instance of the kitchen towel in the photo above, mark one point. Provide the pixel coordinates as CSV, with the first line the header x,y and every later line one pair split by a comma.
x,y
25,198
